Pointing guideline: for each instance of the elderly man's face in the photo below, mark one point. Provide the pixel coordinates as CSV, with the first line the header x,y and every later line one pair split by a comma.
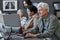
x,y
42,11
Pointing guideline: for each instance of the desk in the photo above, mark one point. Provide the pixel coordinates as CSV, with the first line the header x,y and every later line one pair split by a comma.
x,y
15,37
27,39
32,39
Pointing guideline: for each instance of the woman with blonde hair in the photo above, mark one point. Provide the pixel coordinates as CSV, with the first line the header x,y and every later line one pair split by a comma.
x,y
22,17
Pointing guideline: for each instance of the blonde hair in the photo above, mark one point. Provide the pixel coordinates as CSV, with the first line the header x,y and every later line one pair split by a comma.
x,y
20,10
43,5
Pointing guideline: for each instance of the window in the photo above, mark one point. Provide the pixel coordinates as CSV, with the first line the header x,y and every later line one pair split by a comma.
x,y
9,5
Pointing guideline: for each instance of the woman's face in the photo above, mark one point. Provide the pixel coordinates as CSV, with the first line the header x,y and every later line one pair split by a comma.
x,y
29,12
25,4
21,14
42,11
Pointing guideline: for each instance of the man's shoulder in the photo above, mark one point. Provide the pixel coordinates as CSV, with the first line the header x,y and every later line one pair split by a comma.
x,y
52,16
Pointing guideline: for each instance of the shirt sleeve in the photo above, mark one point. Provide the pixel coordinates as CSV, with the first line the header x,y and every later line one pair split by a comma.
x,y
23,21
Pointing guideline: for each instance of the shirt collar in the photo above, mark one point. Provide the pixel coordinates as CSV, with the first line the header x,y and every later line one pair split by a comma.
x,y
32,16
47,17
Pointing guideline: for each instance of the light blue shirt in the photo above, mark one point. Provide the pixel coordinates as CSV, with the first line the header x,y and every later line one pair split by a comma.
x,y
23,21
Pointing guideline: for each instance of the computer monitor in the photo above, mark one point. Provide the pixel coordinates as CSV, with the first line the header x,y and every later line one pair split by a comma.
x,y
12,20
56,5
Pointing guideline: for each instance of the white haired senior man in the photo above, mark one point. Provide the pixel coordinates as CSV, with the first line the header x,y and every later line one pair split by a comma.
x,y
46,26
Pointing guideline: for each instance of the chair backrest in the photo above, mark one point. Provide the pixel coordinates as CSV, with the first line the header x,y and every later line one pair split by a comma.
x,y
58,31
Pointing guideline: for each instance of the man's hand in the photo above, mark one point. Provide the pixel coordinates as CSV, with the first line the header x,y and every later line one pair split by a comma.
x,y
23,29
29,35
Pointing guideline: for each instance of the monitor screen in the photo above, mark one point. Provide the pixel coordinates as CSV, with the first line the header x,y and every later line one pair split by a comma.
x,y
57,6
12,20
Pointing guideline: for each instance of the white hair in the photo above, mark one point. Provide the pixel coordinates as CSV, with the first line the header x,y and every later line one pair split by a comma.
x,y
43,5
20,10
